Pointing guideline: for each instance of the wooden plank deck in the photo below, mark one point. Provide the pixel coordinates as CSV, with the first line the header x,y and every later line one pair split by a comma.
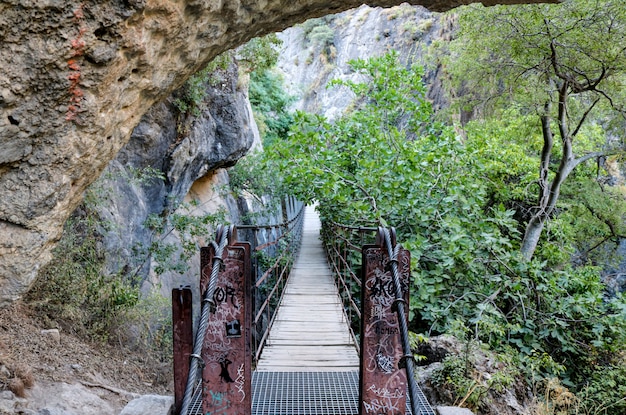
x,y
310,332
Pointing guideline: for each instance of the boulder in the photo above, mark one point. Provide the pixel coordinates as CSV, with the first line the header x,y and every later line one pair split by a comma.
x,y
149,404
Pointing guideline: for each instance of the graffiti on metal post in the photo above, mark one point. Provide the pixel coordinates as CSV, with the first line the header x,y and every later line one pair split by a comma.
x,y
383,383
226,383
241,381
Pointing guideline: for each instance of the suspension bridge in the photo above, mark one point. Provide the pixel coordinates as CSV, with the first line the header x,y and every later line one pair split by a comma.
x,y
290,326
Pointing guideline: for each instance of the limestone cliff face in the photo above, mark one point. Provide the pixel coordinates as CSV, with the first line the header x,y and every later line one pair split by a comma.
x,y
76,78
363,32
173,160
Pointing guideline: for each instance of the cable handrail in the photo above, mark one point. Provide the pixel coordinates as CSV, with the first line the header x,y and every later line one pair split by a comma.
x,y
276,248
278,242
386,238
194,379
341,241
344,258
271,267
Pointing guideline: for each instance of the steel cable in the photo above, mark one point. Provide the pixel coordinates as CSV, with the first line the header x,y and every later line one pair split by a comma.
x,y
399,304
208,306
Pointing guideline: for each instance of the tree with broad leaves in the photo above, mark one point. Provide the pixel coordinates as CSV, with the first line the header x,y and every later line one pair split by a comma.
x,y
565,63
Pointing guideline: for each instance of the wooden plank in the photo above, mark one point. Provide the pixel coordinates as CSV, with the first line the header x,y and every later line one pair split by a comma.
x,y
310,332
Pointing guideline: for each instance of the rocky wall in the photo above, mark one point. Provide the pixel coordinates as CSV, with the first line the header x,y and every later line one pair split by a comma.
x,y
174,162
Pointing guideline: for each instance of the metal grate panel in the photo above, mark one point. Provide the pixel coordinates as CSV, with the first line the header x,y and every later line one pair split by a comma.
x,y
306,393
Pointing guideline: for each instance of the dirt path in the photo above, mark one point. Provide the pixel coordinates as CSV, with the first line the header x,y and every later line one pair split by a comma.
x,y
55,364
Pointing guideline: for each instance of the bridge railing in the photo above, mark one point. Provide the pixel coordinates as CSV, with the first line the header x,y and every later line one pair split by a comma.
x,y
372,273
191,402
242,276
386,239
274,250
343,245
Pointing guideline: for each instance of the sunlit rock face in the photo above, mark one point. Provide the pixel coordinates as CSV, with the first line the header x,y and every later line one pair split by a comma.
x,y
75,79
173,163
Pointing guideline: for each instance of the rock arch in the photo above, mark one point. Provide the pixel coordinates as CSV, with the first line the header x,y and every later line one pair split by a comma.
x,y
75,78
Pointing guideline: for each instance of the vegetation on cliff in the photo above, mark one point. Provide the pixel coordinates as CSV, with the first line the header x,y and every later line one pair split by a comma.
x,y
458,204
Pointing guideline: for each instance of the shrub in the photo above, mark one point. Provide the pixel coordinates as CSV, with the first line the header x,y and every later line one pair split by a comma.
x,y
322,36
148,326
189,98
72,290
270,100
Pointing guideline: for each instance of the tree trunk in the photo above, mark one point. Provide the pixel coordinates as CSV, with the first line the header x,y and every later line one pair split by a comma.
x,y
549,191
531,236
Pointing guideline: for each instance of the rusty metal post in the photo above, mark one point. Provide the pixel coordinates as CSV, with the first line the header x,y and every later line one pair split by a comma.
x,y
382,388
182,333
226,378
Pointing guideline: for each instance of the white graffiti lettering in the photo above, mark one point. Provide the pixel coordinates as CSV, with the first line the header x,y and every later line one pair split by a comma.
x,y
240,382
384,392
385,363
380,406
378,312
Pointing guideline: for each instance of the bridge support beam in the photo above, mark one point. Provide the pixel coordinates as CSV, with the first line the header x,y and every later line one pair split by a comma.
x,y
182,316
227,355
383,382
224,374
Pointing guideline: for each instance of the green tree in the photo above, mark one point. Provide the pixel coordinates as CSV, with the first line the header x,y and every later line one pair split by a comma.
x,y
590,220
259,54
387,161
563,63
270,103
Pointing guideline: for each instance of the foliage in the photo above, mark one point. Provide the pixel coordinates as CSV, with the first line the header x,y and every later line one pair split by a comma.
x,y
259,54
73,289
270,103
388,162
564,64
595,214
524,53
322,36
507,146
605,390
604,393
589,218
471,377
148,326
188,226
556,399
319,33
191,95
309,26
74,292
254,176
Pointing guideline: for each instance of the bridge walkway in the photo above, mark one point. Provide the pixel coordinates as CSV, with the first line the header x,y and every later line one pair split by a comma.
x,y
309,364
310,332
